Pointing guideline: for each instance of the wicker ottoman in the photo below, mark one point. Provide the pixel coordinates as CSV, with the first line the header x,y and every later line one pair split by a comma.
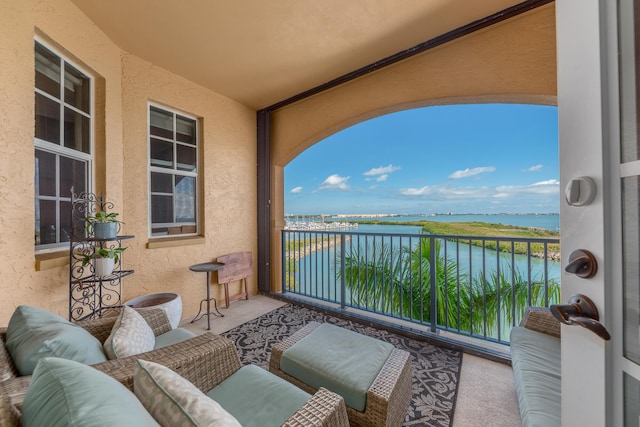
x,y
387,398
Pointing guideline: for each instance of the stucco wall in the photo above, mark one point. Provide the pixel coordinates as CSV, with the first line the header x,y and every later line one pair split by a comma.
x,y
229,181
121,168
513,61
60,23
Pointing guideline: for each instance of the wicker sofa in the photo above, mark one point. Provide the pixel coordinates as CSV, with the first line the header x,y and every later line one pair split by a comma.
x,y
535,358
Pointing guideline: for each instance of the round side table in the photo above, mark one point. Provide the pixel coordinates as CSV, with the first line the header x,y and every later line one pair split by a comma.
x,y
207,267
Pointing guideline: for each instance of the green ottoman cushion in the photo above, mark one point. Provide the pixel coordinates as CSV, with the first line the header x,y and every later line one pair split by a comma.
x,y
174,336
339,360
256,397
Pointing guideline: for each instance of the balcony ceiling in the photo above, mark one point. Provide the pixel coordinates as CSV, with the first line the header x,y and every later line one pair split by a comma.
x,y
259,52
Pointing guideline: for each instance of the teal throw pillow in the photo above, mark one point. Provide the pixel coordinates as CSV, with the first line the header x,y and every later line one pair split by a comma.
x,y
34,333
67,393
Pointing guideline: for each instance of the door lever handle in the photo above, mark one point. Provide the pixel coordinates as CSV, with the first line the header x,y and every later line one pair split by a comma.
x,y
581,311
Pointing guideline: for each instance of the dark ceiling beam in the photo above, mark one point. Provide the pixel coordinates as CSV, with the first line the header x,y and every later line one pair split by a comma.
x,y
419,48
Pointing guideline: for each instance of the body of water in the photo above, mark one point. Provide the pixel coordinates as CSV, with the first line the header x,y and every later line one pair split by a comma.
x,y
319,267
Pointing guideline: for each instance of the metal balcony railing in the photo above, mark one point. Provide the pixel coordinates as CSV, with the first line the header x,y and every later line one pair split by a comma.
x,y
472,285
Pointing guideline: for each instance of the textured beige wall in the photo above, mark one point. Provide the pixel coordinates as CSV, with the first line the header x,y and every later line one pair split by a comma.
x,y
513,61
229,159
229,178
60,23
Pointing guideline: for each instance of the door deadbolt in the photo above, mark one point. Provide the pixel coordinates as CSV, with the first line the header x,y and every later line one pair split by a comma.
x,y
580,191
582,263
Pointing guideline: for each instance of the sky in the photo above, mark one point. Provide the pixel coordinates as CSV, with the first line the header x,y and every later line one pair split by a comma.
x,y
478,158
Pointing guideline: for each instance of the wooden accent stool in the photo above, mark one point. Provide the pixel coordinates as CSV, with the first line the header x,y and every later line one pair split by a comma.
x,y
237,266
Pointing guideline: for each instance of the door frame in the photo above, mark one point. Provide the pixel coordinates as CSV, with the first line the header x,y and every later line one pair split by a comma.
x,y
588,146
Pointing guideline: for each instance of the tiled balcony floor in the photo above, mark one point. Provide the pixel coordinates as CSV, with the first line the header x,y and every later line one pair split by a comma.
x,y
486,395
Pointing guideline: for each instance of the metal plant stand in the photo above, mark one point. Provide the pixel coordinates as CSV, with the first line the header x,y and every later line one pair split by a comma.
x,y
91,295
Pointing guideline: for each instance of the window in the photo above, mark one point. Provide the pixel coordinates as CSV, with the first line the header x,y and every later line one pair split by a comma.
x,y
173,160
63,143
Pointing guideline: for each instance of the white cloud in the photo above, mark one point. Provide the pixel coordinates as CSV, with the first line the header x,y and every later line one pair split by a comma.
x,y
335,182
382,170
416,191
471,172
296,190
548,187
535,168
547,182
448,192
382,178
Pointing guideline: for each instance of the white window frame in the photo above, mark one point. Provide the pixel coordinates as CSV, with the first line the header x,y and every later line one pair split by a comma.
x,y
60,149
174,171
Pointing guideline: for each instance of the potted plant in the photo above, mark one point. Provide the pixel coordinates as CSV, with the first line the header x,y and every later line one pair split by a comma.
x,y
104,225
105,260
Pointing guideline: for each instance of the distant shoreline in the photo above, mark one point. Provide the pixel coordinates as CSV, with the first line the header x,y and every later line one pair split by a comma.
x,y
548,221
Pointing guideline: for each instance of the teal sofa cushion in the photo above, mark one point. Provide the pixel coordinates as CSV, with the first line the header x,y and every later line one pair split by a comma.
x,y
34,333
339,360
67,393
173,336
258,398
535,358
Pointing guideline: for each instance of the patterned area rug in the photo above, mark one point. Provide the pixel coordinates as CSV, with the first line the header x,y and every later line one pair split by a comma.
x,y
436,370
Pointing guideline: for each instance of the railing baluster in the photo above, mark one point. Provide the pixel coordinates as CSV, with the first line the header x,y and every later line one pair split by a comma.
x,y
343,284
484,288
446,284
458,280
432,281
470,290
546,276
513,284
529,282
499,278
421,278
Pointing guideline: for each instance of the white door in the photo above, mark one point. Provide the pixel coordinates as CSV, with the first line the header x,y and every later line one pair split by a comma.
x,y
598,96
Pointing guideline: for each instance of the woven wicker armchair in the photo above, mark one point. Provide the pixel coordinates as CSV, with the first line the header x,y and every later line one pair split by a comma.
x,y
176,356
387,398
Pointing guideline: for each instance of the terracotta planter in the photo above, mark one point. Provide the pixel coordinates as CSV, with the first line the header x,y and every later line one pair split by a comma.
x,y
170,303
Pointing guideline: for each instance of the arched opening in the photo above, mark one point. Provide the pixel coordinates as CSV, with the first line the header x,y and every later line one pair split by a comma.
x,y
370,209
